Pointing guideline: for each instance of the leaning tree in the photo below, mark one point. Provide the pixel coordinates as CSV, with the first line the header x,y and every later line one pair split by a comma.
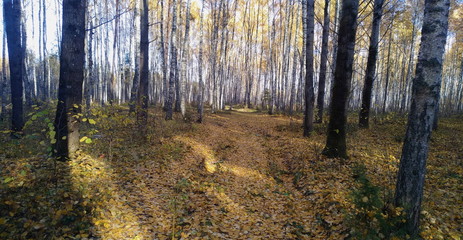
x,y
425,99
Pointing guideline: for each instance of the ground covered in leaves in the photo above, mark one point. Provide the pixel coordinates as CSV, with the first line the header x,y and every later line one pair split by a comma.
x,y
240,175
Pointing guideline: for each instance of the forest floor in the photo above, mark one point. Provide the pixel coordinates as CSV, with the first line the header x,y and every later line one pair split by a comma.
x,y
239,175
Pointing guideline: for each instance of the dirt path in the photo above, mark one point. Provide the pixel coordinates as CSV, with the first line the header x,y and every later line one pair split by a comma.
x,y
244,193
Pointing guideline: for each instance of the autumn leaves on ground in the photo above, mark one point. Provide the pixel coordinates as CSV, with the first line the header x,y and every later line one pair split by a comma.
x,y
239,175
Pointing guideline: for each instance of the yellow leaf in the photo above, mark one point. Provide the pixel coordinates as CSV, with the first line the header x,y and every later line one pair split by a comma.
x,y
455,236
83,139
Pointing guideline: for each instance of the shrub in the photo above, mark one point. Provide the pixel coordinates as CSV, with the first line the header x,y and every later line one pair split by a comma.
x,y
372,217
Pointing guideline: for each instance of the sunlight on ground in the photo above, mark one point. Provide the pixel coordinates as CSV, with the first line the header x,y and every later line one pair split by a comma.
x,y
217,116
228,203
210,161
242,171
245,110
112,218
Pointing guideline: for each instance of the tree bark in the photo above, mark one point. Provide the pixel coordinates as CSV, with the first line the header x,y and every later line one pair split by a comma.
x,y
388,69
336,139
25,75
309,91
460,98
12,18
89,87
200,68
3,80
425,97
183,79
136,75
364,116
173,62
72,59
323,62
46,75
142,97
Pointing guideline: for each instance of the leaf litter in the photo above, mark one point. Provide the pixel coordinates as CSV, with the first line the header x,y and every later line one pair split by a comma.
x,y
239,175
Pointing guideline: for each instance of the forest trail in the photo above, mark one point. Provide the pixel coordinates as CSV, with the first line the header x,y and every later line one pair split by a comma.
x,y
245,201
248,187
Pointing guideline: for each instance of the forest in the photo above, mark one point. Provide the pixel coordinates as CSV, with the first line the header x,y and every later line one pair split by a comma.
x,y
231,119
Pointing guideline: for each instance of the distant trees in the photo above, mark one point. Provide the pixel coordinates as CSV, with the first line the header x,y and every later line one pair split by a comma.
x,y
425,100
71,78
253,53
336,139
12,18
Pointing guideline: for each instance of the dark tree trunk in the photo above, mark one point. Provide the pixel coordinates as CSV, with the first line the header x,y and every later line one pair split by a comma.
x,y
425,97
336,139
3,80
142,97
323,62
309,92
12,18
72,59
371,64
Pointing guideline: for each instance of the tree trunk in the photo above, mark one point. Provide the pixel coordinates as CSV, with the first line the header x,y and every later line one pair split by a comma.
x,y
183,79
425,97
142,97
336,139
173,61
293,77
3,80
26,81
364,116
136,75
165,91
89,87
460,79
46,75
323,62
388,69
309,92
72,60
200,68
12,18
271,109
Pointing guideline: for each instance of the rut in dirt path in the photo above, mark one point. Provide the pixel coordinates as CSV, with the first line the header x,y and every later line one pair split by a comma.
x,y
244,199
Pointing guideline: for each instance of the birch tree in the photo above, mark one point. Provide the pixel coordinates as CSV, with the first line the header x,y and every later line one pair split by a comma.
x,y
425,99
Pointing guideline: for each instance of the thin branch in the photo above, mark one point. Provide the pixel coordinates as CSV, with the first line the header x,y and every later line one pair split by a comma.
x,y
108,21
